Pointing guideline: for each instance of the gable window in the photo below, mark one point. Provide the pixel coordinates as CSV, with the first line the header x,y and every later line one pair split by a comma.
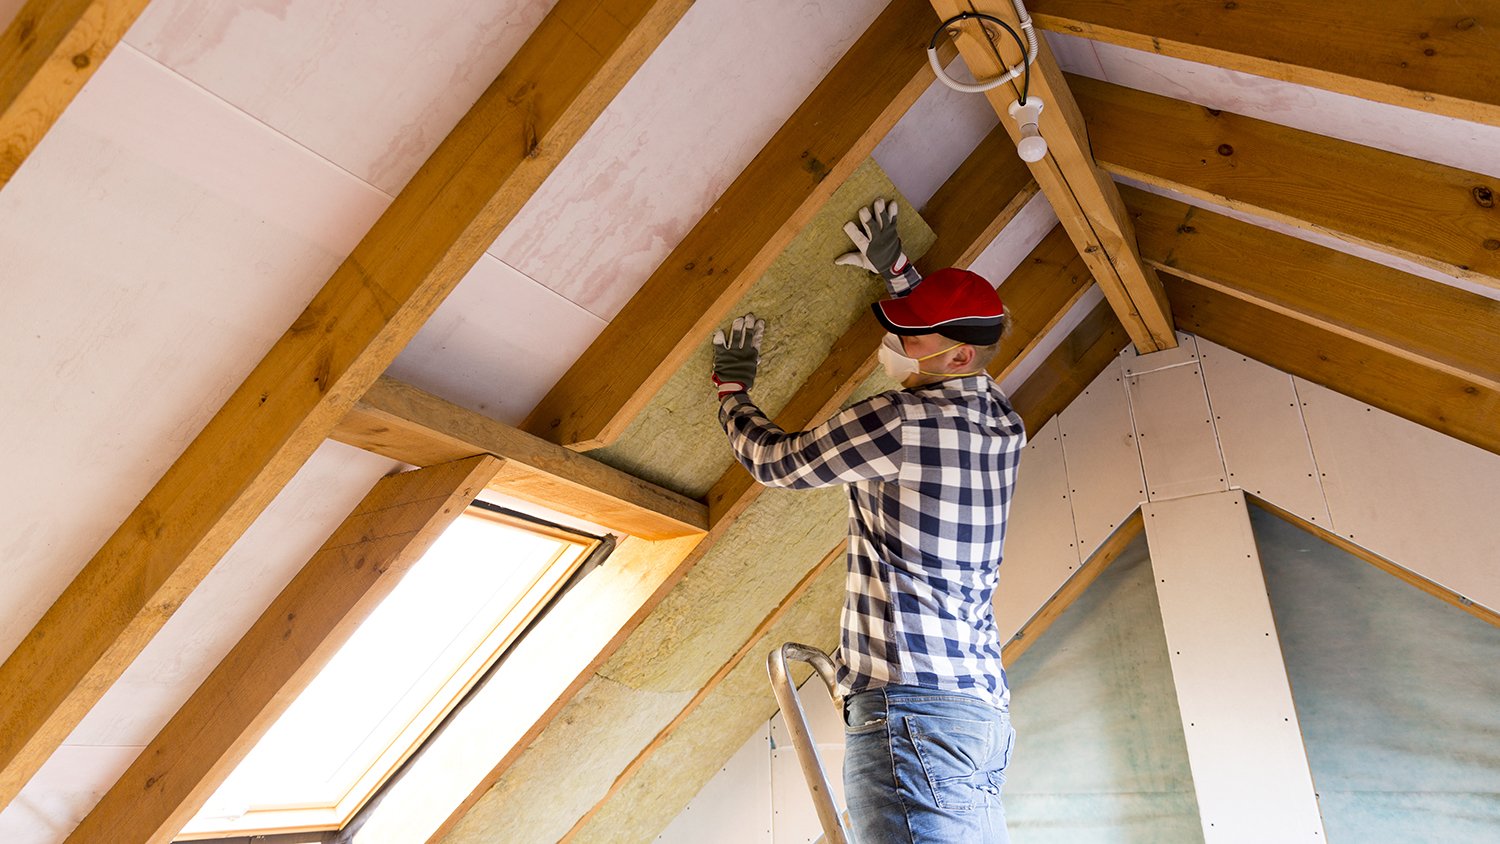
x,y
408,664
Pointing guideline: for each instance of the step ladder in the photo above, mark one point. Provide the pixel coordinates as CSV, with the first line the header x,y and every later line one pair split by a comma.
x,y
835,829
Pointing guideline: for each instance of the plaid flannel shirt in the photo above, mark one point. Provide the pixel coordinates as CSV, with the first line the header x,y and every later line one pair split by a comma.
x,y
929,472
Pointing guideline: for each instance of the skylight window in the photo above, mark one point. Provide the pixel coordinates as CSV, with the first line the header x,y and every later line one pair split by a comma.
x,y
408,664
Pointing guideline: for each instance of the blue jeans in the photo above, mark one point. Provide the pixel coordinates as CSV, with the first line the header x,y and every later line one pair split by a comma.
x,y
922,765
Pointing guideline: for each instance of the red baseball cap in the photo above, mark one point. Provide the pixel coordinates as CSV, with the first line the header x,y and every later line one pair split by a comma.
x,y
955,303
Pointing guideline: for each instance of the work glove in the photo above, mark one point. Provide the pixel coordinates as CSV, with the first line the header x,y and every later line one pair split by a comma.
x,y
737,355
877,244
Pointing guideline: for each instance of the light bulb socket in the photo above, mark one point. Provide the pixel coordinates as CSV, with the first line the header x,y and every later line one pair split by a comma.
x,y
1031,146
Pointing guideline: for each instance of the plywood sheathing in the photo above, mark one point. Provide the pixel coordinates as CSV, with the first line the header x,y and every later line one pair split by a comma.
x,y
807,302
674,652
693,753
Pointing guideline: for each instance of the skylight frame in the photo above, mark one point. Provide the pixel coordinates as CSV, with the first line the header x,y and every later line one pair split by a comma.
x,y
575,549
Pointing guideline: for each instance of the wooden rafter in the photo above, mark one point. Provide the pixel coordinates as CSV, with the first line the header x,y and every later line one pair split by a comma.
x,y
1070,368
302,629
1439,216
1084,197
436,229
49,50
1432,55
691,292
1435,398
401,422
1428,323
1040,292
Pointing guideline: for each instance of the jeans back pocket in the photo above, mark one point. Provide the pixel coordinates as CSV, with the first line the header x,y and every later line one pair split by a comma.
x,y
956,756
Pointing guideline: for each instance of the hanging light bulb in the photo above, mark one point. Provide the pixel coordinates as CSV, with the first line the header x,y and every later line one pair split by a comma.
x,y
1032,146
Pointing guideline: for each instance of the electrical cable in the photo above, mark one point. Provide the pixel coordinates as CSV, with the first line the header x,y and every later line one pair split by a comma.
x,y
1028,49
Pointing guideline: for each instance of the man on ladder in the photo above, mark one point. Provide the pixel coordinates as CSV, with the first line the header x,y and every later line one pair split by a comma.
x,y
929,471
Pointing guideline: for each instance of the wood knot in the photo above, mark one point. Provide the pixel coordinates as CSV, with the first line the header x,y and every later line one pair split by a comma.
x,y
1429,52
1226,149
1186,229
1464,24
1484,196
1492,244
1231,5
1213,112
81,61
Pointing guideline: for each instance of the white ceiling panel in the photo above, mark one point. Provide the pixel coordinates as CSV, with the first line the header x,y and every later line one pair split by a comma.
x,y
62,792
695,114
372,86
153,246
498,343
934,137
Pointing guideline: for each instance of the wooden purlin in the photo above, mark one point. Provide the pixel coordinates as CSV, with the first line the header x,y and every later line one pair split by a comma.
x,y
1436,399
302,629
1439,216
47,53
1426,322
426,241
1085,199
1429,55
750,224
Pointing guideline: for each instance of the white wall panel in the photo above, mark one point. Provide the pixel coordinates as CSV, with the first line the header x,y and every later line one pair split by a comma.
x,y
68,785
1175,430
1041,548
934,136
1261,435
735,806
1104,466
1412,495
1244,742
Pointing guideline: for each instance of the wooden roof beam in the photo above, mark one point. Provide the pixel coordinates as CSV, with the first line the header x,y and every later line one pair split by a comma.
x,y
1428,396
1430,55
1065,373
1084,197
751,223
403,423
49,50
1438,216
1422,321
431,235
274,661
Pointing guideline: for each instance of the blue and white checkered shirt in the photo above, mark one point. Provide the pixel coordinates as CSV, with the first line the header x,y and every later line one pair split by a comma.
x,y
930,472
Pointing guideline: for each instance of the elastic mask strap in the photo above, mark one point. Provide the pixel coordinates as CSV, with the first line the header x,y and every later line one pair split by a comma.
x,y
947,374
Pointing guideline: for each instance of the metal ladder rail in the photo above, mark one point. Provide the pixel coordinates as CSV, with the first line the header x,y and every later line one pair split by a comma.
x,y
829,816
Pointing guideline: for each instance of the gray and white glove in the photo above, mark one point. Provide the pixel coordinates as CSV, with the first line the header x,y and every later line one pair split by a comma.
x,y
737,355
877,244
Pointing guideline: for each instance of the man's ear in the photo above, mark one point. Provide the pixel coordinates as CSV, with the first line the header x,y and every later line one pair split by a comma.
x,y
964,355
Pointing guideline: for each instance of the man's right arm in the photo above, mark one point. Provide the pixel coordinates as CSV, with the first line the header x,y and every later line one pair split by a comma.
x,y
862,442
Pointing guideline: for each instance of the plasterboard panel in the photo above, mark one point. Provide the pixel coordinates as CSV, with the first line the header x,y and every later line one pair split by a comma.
x,y
497,344
68,785
1416,497
1243,736
1104,467
154,246
673,139
1261,435
373,87
934,136
1432,137
1175,429
794,820
1041,549
1135,363
233,595
735,806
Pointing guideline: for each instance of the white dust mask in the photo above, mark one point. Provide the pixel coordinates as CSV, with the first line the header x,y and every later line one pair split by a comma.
x,y
901,366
